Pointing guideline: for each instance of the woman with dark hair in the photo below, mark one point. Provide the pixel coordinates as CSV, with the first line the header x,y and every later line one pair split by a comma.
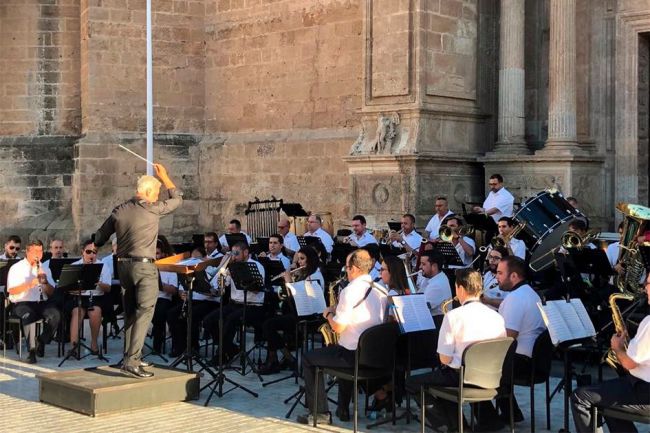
x,y
393,276
306,257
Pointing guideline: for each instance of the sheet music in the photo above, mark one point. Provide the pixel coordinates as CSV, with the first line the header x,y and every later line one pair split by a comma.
x,y
566,321
412,313
192,261
308,297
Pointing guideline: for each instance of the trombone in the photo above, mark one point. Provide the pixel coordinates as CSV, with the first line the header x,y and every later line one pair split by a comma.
x,y
446,233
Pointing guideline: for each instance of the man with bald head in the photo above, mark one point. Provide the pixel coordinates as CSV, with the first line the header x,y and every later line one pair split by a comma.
x,y
361,305
290,239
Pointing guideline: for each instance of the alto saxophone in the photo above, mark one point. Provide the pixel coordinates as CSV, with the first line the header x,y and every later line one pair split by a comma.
x,y
329,336
619,326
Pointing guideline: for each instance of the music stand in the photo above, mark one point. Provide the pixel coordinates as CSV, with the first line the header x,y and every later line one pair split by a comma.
x,y
234,238
394,225
56,265
484,222
449,254
340,252
188,271
302,241
246,277
272,268
315,242
218,380
260,246
77,278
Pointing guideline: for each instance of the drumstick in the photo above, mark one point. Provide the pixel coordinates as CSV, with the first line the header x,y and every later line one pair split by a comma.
x,y
133,153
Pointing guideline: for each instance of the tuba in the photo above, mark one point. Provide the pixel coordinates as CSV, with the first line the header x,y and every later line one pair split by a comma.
x,y
620,328
634,225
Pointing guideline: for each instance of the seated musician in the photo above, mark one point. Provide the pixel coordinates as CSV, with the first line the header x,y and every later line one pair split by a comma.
x,y
314,224
168,287
91,300
499,202
465,246
516,247
462,326
308,258
442,211
613,250
580,227
358,309
276,245
375,254
11,248
211,244
291,244
360,237
408,239
202,305
631,391
492,295
433,282
234,310
234,227
29,287
56,251
523,322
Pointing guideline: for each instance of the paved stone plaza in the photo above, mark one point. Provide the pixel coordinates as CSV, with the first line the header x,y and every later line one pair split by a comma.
x,y
236,411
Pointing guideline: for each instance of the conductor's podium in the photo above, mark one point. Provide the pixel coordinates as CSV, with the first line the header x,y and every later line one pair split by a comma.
x,y
102,390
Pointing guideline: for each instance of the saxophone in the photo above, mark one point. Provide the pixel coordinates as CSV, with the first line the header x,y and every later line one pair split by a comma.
x,y
329,336
619,326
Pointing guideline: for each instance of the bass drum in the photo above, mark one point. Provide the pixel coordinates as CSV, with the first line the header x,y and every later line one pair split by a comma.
x,y
546,217
298,225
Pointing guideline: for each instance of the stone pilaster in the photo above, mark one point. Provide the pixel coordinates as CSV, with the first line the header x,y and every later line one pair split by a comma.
x,y
562,131
511,128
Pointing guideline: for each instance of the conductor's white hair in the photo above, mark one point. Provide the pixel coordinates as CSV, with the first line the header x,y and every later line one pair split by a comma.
x,y
147,182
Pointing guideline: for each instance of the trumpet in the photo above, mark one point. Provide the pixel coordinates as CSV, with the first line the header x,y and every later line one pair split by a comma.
x,y
292,272
446,233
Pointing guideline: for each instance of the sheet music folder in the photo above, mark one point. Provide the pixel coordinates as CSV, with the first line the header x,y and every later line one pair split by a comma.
x,y
566,321
412,313
308,298
178,264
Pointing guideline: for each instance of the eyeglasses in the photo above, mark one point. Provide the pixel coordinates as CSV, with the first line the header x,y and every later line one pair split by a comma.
x,y
90,251
13,247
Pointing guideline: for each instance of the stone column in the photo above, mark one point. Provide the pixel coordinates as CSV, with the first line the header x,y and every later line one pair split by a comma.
x,y
511,79
562,135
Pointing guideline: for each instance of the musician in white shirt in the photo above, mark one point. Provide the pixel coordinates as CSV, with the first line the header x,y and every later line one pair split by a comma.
x,y
91,300
433,282
462,326
408,239
492,294
499,202
360,237
442,212
29,287
523,321
631,391
234,227
464,245
314,223
291,244
517,247
168,287
234,310
11,248
276,243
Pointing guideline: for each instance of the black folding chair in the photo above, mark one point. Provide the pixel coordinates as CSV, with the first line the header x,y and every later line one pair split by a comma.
x,y
374,359
479,379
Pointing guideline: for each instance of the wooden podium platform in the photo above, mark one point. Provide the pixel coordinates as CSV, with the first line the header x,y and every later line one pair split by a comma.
x,y
102,390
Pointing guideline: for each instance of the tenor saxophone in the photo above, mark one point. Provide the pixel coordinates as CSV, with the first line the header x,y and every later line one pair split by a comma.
x,y
619,326
329,336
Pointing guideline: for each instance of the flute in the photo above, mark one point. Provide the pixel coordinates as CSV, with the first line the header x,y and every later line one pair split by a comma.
x,y
290,273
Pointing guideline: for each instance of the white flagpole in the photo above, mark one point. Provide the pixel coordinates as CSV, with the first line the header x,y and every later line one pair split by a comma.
x,y
149,91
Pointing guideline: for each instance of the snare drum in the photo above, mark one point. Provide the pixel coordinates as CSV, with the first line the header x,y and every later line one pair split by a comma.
x,y
546,216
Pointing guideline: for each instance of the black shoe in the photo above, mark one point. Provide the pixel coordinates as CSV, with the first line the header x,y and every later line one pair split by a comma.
x,y
380,404
343,414
269,368
136,372
437,418
40,349
517,416
31,358
321,418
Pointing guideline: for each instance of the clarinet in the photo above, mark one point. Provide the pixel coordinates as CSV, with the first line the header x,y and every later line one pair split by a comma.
x,y
40,285
91,305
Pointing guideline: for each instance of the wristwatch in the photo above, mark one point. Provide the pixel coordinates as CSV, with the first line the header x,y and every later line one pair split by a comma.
x,y
403,242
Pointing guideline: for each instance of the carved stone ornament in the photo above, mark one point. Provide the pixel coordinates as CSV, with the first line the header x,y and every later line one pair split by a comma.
x,y
380,194
384,137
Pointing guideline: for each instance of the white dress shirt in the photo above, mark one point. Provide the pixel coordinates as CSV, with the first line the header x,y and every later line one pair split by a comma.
x,y
104,278
520,312
170,278
503,201
365,239
491,288
612,253
464,257
22,272
639,350
357,319
436,289
433,226
325,238
291,242
413,240
467,324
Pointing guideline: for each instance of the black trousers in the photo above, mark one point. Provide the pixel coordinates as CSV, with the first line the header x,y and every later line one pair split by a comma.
x,y
140,291
178,324
331,356
159,322
30,312
627,391
446,411
272,327
233,315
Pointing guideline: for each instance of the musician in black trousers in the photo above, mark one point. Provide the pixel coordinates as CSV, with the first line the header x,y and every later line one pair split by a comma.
x,y
135,222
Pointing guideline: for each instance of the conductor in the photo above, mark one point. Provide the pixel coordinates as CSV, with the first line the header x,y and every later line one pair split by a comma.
x,y
135,222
